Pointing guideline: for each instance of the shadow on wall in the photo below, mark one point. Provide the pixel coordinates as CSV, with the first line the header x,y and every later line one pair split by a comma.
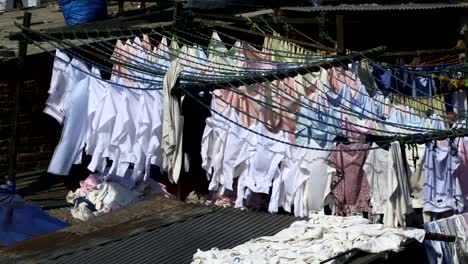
x,y
38,133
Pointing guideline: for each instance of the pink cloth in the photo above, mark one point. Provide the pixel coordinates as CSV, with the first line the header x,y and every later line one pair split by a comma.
x,y
256,60
288,98
355,133
87,185
146,43
349,186
352,83
337,79
283,96
462,170
118,55
122,54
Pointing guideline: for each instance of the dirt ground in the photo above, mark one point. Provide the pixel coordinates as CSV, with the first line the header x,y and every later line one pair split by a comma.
x,y
64,215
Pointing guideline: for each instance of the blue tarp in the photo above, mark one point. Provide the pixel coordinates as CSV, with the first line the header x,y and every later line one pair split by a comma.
x,y
83,11
20,220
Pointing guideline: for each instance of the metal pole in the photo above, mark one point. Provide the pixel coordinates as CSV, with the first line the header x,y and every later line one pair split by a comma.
x,y
22,52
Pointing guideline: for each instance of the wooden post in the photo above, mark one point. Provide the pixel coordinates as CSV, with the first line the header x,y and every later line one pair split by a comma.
x,y
465,69
22,52
322,27
177,12
340,46
121,7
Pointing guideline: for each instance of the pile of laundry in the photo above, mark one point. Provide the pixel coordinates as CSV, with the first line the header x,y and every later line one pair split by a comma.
x,y
20,221
312,241
101,194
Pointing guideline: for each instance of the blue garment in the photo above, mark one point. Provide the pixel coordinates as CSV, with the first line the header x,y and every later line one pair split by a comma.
x,y
316,123
383,79
338,101
20,221
83,11
423,87
90,205
437,251
363,105
404,82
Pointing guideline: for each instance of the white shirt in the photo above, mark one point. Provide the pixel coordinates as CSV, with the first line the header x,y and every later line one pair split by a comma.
x,y
61,85
417,177
213,140
318,173
264,165
376,168
237,149
98,90
71,142
105,119
399,200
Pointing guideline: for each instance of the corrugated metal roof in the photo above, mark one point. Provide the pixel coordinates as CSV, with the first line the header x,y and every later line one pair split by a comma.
x,y
6,260
176,243
375,7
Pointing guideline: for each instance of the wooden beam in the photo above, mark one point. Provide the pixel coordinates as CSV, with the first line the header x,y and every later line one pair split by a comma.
x,y
230,18
423,52
243,30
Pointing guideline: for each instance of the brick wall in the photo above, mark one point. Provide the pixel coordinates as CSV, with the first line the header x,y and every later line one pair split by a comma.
x,y
38,133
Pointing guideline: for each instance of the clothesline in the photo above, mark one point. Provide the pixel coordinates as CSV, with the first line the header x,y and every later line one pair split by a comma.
x,y
423,103
398,92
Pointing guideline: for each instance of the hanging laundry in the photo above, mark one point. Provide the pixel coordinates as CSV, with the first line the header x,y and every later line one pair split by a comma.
x,y
172,125
383,79
399,200
423,87
68,150
377,172
441,186
365,75
416,158
462,169
448,252
349,187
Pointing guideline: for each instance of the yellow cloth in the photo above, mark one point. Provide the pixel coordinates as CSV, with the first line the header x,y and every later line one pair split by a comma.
x,y
421,105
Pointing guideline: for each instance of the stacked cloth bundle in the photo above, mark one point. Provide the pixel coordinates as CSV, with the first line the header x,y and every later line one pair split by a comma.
x,y
448,252
317,239
97,196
